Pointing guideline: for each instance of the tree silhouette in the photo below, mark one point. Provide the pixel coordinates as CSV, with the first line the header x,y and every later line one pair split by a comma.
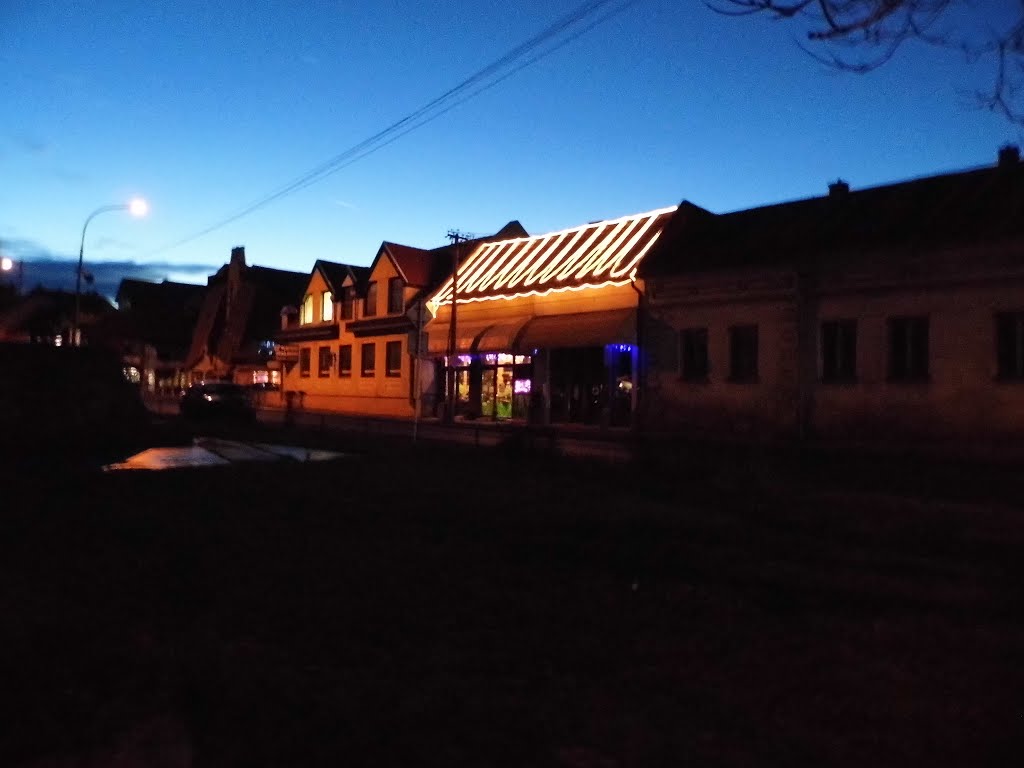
x,y
861,35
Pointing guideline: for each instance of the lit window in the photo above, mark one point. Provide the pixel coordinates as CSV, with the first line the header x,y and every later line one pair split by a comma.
x,y
307,310
393,358
327,307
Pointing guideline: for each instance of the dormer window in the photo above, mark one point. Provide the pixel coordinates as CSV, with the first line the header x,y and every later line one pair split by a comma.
x,y
348,302
327,307
370,302
396,296
307,310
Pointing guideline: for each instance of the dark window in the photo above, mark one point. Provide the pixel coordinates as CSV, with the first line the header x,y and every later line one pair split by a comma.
x,y
1010,344
369,353
743,353
304,357
370,302
908,348
324,359
345,360
393,355
396,296
693,354
839,350
348,302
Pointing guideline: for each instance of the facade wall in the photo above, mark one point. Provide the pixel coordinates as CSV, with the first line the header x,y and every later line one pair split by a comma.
x,y
717,404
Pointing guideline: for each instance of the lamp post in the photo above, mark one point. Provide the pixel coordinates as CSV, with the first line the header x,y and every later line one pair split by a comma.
x,y
137,207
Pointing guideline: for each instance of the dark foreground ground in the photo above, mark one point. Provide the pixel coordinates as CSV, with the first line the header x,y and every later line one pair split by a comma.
x,y
449,607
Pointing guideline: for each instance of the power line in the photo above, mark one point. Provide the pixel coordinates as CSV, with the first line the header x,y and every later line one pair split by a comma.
x,y
421,116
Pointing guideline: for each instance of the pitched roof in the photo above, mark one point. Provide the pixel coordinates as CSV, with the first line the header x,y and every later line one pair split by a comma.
x,y
166,293
592,255
336,273
981,205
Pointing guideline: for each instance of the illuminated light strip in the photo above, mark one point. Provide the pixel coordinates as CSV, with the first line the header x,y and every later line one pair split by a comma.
x,y
617,250
591,250
504,277
529,274
628,248
474,272
547,270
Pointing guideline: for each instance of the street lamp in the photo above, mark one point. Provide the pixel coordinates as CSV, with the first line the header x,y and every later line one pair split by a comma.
x,y
7,264
137,207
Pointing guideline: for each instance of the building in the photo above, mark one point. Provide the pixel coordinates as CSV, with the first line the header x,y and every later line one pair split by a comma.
x,y
237,321
544,328
43,316
152,329
354,339
883,313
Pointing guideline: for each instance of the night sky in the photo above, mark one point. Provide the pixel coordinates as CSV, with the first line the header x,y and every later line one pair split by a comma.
x,y
204,108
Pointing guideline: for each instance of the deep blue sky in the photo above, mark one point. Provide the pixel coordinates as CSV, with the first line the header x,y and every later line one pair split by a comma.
x,y
203,107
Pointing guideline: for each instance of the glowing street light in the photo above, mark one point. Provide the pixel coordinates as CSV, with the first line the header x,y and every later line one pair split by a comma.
x,y
7,264
136,207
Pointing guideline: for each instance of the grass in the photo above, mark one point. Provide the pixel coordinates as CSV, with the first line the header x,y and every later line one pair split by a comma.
x,y
440,606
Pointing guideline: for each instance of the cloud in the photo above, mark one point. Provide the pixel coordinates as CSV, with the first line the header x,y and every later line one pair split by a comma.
x,y
57,271
344,204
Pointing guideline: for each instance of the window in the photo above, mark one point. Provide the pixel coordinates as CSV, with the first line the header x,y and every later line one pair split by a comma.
x,y
393,358
304,356
839,350
693,354
743,353
370,302
369,361
327,307
307,310
908,348
1010,344
345,360
348,302
324,368
396,296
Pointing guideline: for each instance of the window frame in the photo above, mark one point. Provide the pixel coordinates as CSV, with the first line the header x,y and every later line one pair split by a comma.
x,y
324,371
694,368
306,310
370,300
344,372
368,372
1009,367
389,347
837,351
305,361
395,308
912,364
348,302
326,307
738,374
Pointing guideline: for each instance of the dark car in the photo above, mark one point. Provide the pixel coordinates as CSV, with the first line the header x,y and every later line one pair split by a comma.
x,y
217,400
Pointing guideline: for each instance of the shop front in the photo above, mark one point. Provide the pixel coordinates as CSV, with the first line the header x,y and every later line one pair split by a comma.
x,y
545,327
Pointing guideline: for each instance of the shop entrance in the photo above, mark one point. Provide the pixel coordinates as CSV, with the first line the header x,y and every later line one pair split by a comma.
x,y
592,385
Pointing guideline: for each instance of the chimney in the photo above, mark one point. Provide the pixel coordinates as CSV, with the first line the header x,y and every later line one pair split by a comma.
x,y
1009,156
236,268
838,189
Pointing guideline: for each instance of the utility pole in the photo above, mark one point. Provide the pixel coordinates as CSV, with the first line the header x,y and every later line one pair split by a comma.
x,y
451,381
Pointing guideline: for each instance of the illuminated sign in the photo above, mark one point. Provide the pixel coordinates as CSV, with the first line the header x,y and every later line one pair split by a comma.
x,y
521,387
592,256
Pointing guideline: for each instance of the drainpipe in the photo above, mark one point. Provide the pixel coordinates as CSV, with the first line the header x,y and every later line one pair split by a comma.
x,y
640,369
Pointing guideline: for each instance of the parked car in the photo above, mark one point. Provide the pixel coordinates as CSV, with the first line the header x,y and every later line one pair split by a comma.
x,y
217,400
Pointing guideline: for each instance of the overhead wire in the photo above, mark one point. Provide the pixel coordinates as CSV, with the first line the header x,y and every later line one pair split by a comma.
x,y
454,97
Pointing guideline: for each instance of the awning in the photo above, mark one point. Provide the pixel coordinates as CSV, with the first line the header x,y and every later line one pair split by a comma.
x,y
500,337
583,329
467,333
